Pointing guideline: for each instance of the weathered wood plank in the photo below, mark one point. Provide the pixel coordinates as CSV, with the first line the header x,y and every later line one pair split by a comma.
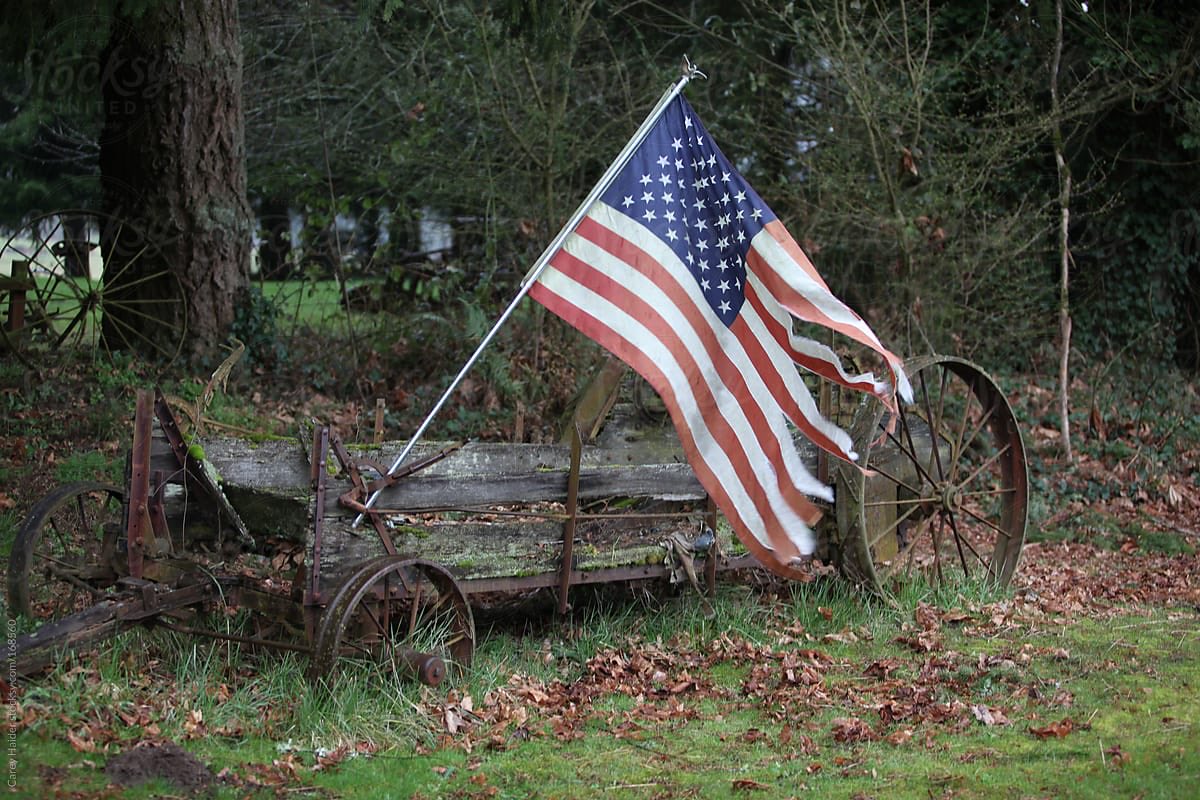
x,y
634,464
269,484
501,548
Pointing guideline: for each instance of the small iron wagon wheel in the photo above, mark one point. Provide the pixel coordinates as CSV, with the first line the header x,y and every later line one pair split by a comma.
x,y
83,296
945,494
403,614
61,561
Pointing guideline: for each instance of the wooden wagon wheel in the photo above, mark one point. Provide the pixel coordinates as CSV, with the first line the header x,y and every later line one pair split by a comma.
x,y
60,562
948,497
131,304
403,614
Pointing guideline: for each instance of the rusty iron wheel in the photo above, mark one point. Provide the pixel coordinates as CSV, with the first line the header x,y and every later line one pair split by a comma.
x,y
83,303
952,512
403,614
61,560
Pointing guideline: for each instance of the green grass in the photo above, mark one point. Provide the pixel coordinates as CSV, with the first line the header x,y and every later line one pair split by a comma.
x,y
1128,685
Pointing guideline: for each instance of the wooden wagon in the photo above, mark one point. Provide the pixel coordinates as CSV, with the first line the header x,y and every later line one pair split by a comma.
x,y
268,525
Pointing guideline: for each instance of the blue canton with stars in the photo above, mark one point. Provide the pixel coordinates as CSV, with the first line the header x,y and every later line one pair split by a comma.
x,y
683,189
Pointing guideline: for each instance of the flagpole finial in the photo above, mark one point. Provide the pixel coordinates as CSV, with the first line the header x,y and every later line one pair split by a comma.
x,y
691,71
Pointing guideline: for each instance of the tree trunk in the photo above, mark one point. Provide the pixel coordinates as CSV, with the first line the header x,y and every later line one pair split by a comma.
x,y
172,162
1064,242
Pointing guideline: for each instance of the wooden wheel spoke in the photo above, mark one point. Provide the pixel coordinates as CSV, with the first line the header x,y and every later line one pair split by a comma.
x,y
131,335
133,312
965,444
988,492
936,535
990,460
112,280
44,241
416,604
902,484
958,545
945,382
935,425
36,267
910,453
961,541
138,281
358,646
76,320
145,301
895,524
899,501
58,536
908,550
985,521
74,580
51,559
82,511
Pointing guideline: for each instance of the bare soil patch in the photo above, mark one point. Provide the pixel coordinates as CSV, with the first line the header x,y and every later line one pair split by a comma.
x,y
147,761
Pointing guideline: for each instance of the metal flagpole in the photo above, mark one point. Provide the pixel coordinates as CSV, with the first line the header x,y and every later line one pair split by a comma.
x,y
689,72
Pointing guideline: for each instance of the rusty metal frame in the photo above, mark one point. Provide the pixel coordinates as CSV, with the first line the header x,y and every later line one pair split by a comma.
x,y
354,499
546,580
194,475
170,429
350,467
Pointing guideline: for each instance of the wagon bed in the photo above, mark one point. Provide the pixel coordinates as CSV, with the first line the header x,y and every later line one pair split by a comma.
x,y
270,525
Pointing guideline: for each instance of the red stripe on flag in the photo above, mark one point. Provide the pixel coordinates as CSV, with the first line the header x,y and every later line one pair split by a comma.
x,y
701,323
778,388
774,559
836,316
732,378
818,366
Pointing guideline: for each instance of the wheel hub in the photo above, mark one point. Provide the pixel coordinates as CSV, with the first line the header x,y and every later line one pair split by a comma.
x,y
950,496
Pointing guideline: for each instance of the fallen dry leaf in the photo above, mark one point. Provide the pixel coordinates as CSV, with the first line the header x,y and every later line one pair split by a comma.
x,y
1115,756
989,716
852,729
747,785
1055,730
82,744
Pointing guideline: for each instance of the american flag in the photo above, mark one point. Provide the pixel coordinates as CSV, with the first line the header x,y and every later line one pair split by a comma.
x,y
682,271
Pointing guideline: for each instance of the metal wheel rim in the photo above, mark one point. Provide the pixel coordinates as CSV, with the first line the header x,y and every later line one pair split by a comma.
x,y
59,551
960,509
71,314
354,603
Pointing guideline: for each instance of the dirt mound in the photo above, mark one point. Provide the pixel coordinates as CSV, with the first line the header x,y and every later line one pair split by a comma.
x,y
147,761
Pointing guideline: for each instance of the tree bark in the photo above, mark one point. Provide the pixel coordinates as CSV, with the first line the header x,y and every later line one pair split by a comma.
x,y
172,162
1064,242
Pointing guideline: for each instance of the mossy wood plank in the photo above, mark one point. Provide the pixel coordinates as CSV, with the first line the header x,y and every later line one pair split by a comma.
x,y
269,483
477,474
491,549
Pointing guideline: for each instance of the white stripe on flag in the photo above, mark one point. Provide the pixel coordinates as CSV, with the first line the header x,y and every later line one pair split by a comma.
x,y
729,345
